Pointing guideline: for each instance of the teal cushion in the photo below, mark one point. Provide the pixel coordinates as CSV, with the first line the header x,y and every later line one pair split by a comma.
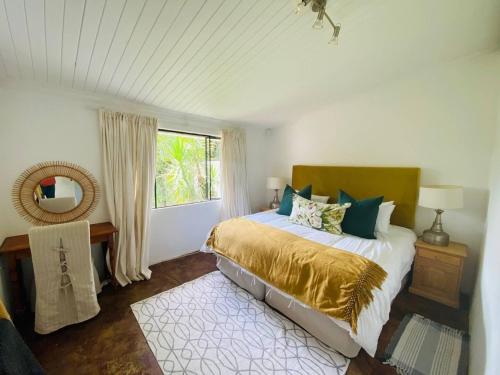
x,y
287,199
360,218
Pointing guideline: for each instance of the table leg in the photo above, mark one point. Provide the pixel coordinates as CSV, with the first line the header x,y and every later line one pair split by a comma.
x,y
15,283
112,259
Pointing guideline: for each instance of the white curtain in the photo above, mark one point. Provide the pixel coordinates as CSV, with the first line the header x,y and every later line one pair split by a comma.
x,y
235,200
128,144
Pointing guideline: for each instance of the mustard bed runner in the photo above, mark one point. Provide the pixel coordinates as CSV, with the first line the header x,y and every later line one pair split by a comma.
x,y
333,281
3,311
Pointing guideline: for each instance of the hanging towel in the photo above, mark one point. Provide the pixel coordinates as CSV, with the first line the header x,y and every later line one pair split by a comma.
x,y
64,276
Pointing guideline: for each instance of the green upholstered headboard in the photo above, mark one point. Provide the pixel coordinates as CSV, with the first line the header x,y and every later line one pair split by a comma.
x,y
395,184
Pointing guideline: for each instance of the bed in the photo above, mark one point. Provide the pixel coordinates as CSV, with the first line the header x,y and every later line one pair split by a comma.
x,y
393,251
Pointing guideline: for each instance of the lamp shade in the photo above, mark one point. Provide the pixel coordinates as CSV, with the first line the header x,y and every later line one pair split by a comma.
x,y
275,183
441,196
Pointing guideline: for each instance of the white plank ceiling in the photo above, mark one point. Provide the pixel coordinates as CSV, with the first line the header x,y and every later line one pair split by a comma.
x,y
243,60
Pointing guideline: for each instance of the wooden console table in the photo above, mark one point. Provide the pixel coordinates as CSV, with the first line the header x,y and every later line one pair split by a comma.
x,y
18,247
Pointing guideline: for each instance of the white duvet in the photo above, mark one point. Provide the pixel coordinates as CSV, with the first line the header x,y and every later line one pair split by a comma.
x,y
394,252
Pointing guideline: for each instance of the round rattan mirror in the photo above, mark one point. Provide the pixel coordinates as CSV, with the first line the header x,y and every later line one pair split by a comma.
x,y
55,192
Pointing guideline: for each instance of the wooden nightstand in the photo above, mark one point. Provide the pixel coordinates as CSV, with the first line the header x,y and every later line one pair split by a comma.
x,y
437,272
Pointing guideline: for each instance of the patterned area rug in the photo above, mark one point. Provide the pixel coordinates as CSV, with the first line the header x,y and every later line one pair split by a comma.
x,y
423,347
211,326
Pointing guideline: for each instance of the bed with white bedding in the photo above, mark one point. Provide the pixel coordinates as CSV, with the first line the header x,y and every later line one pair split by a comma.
x,y
394,252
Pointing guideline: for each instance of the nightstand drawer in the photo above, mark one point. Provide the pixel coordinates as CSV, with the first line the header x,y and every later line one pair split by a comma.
x,y
442,283
438,271
436,278
432,263
434,256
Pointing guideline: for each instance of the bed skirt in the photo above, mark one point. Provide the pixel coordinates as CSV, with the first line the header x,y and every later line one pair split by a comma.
x,y
319,325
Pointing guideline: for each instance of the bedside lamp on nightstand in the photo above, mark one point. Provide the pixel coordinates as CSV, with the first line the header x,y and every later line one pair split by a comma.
x,y
275,183
439,197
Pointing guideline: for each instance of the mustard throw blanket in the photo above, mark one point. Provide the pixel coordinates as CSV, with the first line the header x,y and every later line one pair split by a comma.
x,y
3,311
332,281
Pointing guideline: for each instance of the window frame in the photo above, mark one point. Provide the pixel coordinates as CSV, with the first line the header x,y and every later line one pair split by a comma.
x,y
208,190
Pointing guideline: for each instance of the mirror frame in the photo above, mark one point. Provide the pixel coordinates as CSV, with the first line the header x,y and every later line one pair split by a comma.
x,y
24,187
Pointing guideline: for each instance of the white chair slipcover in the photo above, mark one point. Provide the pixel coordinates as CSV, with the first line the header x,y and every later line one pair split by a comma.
x,y
64,275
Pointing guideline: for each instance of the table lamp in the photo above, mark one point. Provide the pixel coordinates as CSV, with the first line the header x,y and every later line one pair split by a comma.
x,y
275,183
439,197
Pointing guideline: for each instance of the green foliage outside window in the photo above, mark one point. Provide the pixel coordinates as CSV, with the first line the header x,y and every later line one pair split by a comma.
x,y
187,169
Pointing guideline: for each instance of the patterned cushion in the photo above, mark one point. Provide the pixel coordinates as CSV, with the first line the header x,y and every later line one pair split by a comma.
x,y
322,216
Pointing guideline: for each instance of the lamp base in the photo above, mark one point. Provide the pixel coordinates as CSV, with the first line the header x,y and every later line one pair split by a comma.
x,y
276,201
436,238
436,235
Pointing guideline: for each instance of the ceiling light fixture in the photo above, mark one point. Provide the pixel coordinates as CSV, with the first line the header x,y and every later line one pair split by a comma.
x,y
318,24
335,36
319,6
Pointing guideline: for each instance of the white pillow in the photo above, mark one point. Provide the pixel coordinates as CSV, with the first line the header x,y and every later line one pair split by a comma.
x,y
320,198
384,217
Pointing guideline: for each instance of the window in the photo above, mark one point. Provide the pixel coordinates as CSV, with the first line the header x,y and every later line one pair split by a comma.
x,y
187,168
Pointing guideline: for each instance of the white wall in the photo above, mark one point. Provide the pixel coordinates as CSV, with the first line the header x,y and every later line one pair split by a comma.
x,y
484,323
38,128
441,120
181,229
41,124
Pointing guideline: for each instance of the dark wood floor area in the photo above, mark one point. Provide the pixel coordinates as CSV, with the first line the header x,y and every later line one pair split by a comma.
x,y
112,342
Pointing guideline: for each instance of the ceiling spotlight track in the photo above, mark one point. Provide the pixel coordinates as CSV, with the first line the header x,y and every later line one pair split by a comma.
x,y
319,6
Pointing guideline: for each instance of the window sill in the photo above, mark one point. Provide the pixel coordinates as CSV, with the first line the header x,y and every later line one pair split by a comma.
x,y
188,204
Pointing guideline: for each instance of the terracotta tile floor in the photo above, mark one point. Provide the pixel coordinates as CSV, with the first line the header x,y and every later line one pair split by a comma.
x,y
112,342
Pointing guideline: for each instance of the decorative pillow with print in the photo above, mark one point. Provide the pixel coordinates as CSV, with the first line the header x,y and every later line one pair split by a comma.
x,y
306,212
322,216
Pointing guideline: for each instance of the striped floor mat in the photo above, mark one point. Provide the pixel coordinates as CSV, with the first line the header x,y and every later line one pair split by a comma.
x,y
423,347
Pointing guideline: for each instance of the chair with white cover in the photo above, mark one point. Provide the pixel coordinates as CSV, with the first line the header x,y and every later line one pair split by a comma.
x,y
64,275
